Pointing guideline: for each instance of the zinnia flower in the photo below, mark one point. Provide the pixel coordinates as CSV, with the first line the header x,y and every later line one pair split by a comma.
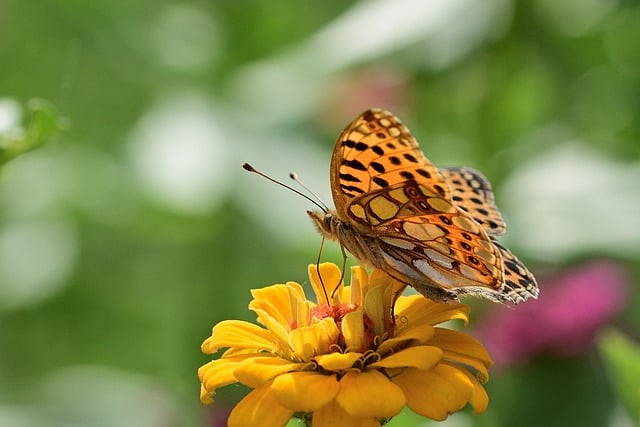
x,y
344,361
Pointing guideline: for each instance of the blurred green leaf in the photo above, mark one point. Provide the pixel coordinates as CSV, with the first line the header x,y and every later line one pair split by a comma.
x,y
622,357
41,124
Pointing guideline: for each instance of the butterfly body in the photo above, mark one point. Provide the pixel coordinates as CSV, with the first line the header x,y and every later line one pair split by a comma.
x,y
432,229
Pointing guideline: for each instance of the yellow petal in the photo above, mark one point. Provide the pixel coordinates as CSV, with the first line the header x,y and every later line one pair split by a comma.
x,y
217,373
303,313
421,357
279,331
463,349
377,307
309,341
259,408
206,396
418,309
337,361
379,277
353,331
358,285
305,391
369,394
236,333
417,333
435,393
330,274
333,415
277,300
258,370
480,399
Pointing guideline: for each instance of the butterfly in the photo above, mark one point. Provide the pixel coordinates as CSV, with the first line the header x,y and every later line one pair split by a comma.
x,y
433,229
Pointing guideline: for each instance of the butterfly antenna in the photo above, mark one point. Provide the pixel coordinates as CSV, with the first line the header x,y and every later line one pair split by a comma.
x,y
248,167
294,177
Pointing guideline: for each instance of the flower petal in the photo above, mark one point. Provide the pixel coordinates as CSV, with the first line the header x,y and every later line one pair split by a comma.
x,y
217,373
377,307
278,300
369,394
421,357
331,276
358,285
206,396
337,361
435,393
418,333
305,391
423,310
303,314
279,331
258,370
332,415
480,399
463,349
259,408
353,331
240,334
308,341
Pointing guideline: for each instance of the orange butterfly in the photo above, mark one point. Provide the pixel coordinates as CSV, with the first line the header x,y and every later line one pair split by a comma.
x,y
432,229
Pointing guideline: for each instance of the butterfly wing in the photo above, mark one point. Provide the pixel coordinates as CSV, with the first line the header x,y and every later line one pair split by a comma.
x,y
471,192
402,212
519,283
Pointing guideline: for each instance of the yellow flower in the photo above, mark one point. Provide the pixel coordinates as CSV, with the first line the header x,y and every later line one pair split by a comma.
x,y
345,362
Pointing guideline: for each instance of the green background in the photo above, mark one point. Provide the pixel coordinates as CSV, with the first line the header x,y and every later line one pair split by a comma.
x,y
125,238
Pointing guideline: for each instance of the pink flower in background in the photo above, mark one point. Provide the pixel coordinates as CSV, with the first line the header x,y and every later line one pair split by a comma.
x,y
565,318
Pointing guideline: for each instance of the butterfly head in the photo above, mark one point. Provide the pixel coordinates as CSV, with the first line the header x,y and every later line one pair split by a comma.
x,y
326,223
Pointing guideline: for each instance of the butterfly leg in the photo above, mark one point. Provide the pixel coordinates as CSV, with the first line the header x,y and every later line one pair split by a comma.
x,y
393,304
324,288
344,266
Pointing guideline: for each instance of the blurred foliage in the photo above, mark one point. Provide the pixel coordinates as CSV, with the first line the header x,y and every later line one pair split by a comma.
x,y
621,356
41,124
124,242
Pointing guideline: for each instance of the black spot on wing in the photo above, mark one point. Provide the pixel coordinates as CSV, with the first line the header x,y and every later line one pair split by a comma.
x,y
349,178
354,164
351,189
423,173
410,157
381,182
348,143
407,175
378,167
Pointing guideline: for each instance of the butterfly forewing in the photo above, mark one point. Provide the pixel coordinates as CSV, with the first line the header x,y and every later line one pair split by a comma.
x,y
376,152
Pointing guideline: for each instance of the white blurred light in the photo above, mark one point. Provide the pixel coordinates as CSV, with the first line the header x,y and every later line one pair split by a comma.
x,y
180,153
572,200
10,114
36,258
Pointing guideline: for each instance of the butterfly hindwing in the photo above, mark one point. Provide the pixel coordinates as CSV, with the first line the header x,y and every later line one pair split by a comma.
x,y
471,192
